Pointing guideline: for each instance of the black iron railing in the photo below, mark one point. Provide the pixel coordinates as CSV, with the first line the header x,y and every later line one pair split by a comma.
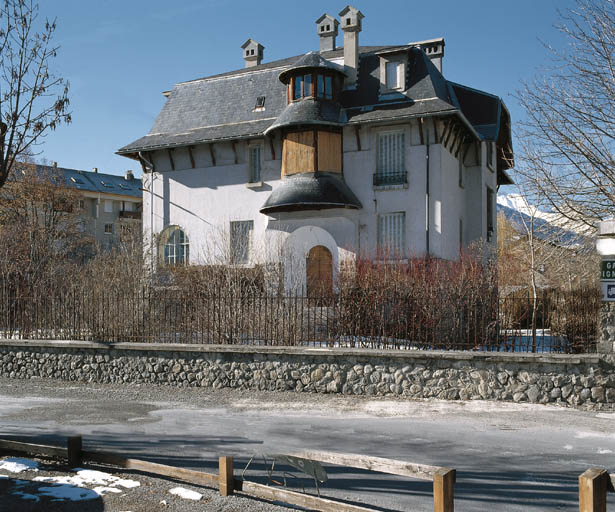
x,y
551,323
397,178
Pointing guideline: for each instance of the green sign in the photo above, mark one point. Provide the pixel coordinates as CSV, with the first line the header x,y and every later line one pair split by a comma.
x,y
607,270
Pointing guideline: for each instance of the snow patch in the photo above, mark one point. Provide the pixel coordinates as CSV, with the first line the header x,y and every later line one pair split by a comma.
x,y
104,482
18,465
588,435
604,451
568,447
187,494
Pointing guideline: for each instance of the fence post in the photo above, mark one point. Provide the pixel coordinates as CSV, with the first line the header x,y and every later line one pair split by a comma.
x,y
225,476
443,492
74,446
593,485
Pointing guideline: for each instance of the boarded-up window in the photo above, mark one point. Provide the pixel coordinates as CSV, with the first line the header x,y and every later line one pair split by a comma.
x,y
391,165
298,153
391,234
329,152
255,163
241,234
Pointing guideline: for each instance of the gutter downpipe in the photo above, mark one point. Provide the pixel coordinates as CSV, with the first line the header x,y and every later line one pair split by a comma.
x,y
149,165
427,249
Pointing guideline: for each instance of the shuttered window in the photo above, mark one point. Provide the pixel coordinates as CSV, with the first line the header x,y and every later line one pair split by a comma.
x,y
391,167
255,164
241,234
391,234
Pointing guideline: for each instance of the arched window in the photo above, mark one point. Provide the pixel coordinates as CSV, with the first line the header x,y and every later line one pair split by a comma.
x,y
175,248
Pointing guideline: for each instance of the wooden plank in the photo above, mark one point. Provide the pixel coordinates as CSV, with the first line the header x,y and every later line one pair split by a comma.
x,y
298,153
234,145
212,154
435,129
462,140
592,490
74,446
447,125
170,153
226,478
33,449
443,490
421,131
389,466
187,475
271,148
357,134
465,153
329,151
296,498
453,128
191,156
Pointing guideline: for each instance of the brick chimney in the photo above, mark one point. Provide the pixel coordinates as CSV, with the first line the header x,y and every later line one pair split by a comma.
x,y
434,49
350,20
252,53
327,31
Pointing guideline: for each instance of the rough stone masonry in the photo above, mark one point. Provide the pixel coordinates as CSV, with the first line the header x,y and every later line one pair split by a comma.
x,y
586,380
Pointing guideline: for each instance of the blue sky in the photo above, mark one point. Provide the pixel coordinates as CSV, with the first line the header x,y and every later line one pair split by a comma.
x,y
119,55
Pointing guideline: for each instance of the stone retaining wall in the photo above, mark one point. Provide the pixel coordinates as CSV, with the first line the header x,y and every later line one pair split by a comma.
x,y
576,380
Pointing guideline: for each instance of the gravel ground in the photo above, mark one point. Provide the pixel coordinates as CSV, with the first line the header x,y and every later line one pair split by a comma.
x,y
151,495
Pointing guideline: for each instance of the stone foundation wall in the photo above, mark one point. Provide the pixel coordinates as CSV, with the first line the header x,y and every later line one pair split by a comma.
x,y
575,380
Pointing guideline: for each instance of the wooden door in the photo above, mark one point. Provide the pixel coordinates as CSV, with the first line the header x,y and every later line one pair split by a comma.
x,y
319,271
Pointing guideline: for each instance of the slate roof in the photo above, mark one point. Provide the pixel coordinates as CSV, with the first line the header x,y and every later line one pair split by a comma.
x,y
311,60
223,106
88,181
310,192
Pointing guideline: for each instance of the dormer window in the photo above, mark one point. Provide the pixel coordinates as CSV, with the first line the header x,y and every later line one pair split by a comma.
x,y
394,75
310,85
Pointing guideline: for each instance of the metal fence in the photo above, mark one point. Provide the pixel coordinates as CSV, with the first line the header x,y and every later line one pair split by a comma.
x,y
555,322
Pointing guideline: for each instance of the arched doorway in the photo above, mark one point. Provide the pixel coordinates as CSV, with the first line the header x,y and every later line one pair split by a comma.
x,y
319,271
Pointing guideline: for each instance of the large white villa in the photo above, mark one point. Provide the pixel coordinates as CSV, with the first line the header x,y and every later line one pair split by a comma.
x,y
323,156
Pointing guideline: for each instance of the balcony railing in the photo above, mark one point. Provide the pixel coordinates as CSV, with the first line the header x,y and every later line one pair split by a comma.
x,y
396,178
130,215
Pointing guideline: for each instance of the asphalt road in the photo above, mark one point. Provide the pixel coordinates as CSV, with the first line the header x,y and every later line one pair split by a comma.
x,y
509,457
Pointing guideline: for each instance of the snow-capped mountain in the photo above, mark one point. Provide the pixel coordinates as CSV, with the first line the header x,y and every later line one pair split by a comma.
x,y
547,226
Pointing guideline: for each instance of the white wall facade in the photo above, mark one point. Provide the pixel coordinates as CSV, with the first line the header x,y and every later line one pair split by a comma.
x,y
203,200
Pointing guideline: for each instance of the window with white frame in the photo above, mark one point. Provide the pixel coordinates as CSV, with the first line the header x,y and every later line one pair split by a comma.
x,y
394,75
241,235
108,229
392,234
176,247
108,206
391,166
254,160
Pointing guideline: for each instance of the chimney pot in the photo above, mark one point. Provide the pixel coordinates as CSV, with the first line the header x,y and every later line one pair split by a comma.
x,y
129,175
95,169
252,53
55,165
351,25
327,30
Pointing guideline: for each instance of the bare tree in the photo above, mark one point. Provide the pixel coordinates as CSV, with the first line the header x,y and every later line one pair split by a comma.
x,y
568,140
32,99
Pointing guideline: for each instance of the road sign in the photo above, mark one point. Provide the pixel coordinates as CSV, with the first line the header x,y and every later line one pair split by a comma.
x,y
607,270
608,291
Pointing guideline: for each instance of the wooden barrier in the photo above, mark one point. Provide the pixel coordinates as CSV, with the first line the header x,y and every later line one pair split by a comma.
x,y
226,478
593,486
443,478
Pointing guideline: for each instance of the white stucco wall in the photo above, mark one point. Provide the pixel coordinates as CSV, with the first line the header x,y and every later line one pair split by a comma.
x,y
204,200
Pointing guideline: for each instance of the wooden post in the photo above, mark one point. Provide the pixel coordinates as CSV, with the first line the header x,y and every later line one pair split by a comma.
x,y
225,477
443,492
74,446
592,490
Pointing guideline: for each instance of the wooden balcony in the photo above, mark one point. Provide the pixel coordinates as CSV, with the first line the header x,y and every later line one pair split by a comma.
x,y
130,215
